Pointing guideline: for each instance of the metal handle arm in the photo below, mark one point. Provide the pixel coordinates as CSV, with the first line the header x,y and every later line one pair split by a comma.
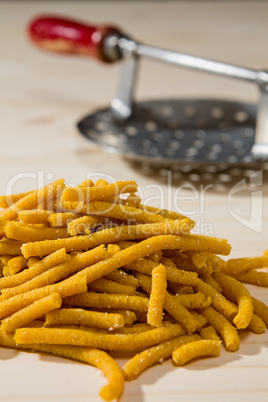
x,y
198,63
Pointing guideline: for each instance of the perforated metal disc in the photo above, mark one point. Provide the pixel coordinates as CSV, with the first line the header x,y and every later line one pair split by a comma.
x,y
178,131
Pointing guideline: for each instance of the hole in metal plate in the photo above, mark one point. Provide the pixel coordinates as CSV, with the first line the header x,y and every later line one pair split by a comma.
x,y
189,111
241,116
217,113
150,126
131,130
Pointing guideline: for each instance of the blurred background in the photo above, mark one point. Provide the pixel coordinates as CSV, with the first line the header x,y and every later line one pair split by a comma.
x,y
47,93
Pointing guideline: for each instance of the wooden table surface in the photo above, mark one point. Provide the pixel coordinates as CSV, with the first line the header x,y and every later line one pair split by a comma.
x,y
43,96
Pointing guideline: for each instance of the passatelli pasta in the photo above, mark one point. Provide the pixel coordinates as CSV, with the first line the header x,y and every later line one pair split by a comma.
x,y
87,270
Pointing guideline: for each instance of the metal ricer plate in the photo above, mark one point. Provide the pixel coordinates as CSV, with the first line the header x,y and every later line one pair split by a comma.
x,y
177,131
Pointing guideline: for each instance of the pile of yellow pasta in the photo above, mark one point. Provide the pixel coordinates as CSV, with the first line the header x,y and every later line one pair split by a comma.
x,y
89,269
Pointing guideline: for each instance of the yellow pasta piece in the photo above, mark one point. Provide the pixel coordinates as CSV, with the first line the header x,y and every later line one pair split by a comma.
x,y
131,342
253,277
79,225
103,300
122,277
176,275
193,350
126,243
7,200
5,271
211,282
142,317
37,268
157,296
218,301
17,264
77,243
182,261
32,225
194,300
33,199
107,286
173,306
200,318
2,225
133,200
100,359
59,272
72,326
236,292
163,212
240,265
104,224
51,204
31,312
68,287
209,333
198,259
4,259
157,354
215,262
87,183
134,328
128,315
261,309
181,314
12,247
180,289
18,231
257,325
111,369
122,212
189,301
83,317
34,216
223,326
101,183
166,261
74,196
94,357
61,219
32,260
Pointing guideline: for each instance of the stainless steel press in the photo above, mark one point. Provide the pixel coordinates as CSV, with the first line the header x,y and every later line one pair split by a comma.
x,y
165,132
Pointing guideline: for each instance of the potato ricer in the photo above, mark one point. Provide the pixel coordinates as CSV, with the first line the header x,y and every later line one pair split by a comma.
x,y
163,132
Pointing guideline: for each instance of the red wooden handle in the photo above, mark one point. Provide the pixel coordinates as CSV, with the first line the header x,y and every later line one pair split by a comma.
x,y
66,36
